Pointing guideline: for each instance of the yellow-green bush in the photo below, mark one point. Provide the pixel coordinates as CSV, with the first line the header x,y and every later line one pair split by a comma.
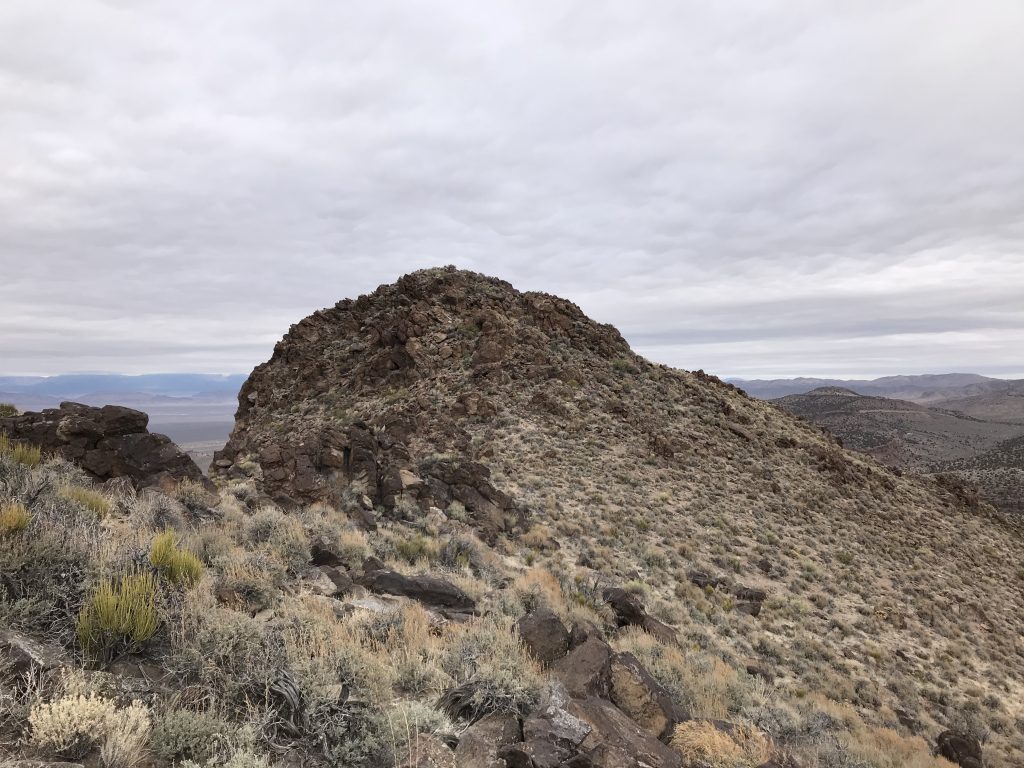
x,y
7,410
179,566
14,519
23,453
119,614
91,500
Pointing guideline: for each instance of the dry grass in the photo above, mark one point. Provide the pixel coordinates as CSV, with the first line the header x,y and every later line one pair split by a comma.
x,y
701,743
93,501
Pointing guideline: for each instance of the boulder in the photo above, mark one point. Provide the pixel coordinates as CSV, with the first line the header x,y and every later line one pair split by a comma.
x,y
960,748
641,697
480,744
425,588
107,442
585,671
615,741
544,634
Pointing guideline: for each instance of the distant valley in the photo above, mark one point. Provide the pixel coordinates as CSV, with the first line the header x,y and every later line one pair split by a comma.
x,y
195,410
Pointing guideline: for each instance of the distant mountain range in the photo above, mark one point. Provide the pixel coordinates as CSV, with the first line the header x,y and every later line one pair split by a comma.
x,y
924,388
163,384
195,409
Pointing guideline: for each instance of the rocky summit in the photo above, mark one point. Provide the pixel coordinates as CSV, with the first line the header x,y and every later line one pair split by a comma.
x,y
449,390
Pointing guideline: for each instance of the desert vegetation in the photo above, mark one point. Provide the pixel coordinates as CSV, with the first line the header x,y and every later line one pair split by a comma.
x,y
172,639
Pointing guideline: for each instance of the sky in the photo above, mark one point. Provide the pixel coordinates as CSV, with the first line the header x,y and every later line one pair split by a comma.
x,y
758,188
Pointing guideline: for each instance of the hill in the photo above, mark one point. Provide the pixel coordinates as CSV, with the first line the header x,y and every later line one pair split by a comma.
x,y
898,432
452,513
449,387
925,387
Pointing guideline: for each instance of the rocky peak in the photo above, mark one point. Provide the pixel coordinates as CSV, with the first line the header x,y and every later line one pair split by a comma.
x,y
377,387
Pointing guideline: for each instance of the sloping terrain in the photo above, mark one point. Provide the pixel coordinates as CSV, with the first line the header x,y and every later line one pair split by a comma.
x,y
998,473
449,388
459,525
900,433
1005,403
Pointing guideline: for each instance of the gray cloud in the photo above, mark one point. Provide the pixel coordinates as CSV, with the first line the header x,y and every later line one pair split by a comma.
x,y
755,188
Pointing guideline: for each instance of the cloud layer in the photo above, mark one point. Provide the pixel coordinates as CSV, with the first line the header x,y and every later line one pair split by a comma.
x,y
754,188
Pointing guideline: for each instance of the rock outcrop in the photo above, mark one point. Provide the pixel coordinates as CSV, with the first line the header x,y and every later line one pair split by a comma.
x,y
312,418
108,442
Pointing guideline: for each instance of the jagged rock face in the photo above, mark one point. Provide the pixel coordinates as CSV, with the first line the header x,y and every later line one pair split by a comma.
x,y
449,345
106,442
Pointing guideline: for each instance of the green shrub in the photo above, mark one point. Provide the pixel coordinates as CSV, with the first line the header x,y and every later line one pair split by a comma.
x,y
180,567
119,615
417,548
23,453
7,410
14,519
91,500
185,734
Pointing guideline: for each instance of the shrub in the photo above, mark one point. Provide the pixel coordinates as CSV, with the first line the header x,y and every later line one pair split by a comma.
x,y
72,726
124,744
291,544
14,519
7,410
185,734
700,742
418,547
22,453
179,567
119,616
91,500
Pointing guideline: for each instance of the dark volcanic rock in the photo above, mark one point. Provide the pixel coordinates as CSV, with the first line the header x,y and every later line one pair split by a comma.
x,y
107,442
585,671
960,748
544,634
427,589
386,384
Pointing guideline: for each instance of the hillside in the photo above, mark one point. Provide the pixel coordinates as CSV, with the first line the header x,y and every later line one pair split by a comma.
x,y
897,432
452,387
456,515
998,473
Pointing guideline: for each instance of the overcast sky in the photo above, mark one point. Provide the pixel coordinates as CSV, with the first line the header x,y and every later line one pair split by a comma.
x,y
754,188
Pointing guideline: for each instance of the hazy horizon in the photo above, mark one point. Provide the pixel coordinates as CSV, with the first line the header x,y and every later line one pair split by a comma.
x,y
753,188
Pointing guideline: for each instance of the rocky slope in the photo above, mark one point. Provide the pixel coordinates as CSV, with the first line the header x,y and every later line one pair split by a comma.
x,y
452,390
